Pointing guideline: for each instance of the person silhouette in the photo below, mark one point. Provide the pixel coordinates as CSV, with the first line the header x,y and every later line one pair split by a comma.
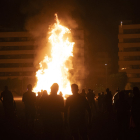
x,y
29,99
83,93
42,100
77,105
7,100
99,101
123,115
53,109
102,101
90,97
108,101
135,111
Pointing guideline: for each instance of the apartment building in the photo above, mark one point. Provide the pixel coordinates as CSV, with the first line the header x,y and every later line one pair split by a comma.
x,y
129,51
18,52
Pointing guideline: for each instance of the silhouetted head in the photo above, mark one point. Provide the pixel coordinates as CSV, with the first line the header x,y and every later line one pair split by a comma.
x,y
102,93
29,87
118,89
60,93
54,89
74,88
136,91
45,93
83,90
99,94
89,90
6,87
107,90
121,95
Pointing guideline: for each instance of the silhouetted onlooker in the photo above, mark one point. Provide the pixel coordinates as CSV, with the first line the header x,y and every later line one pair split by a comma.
x,y
42,101
77,106
136,108
102,100
99,101
83,93
53,108
90,98
123,115
29,99
60,93
44,96
108,100
7,100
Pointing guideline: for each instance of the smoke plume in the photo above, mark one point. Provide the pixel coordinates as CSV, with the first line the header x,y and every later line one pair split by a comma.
x,y
40,15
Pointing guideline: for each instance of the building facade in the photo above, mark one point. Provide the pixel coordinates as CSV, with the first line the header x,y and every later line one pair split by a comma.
x,y
18,52
129,51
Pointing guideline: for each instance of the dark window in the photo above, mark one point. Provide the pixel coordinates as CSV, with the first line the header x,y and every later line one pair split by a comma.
x,y
7,48
131,75
14,65
134,75
131,31
131,58
131,40
2,73
15,39
21,56
27,73
138,75
2,39
30,73
135,66
23,39
131,49
26,64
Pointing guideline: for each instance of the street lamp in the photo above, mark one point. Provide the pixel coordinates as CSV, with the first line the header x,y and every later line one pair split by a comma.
x,y
106,74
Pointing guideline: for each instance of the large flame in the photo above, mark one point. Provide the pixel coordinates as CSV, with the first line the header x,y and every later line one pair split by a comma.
x,y
59,64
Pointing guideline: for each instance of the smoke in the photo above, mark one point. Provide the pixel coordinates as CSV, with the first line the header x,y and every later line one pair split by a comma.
x,y
40,15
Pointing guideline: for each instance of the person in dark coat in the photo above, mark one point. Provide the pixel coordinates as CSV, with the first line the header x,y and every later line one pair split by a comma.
x,y
53,108
108,101
29,99
135,111
123,115
83,93
77,105
7,100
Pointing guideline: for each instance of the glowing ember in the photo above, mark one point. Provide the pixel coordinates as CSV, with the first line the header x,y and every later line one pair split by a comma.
x,y
59,64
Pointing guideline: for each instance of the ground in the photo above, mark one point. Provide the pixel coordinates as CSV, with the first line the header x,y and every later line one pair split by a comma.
x,y
103,127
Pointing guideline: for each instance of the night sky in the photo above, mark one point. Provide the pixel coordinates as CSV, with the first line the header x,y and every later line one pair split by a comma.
x,y
99,18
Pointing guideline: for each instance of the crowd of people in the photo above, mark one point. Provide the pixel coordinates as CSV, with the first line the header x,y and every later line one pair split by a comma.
x,y
76,112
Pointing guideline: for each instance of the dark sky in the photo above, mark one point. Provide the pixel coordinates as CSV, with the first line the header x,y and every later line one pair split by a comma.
x,y
100,18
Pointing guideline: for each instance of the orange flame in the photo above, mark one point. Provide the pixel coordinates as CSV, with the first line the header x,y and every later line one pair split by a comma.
x,y
57,67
